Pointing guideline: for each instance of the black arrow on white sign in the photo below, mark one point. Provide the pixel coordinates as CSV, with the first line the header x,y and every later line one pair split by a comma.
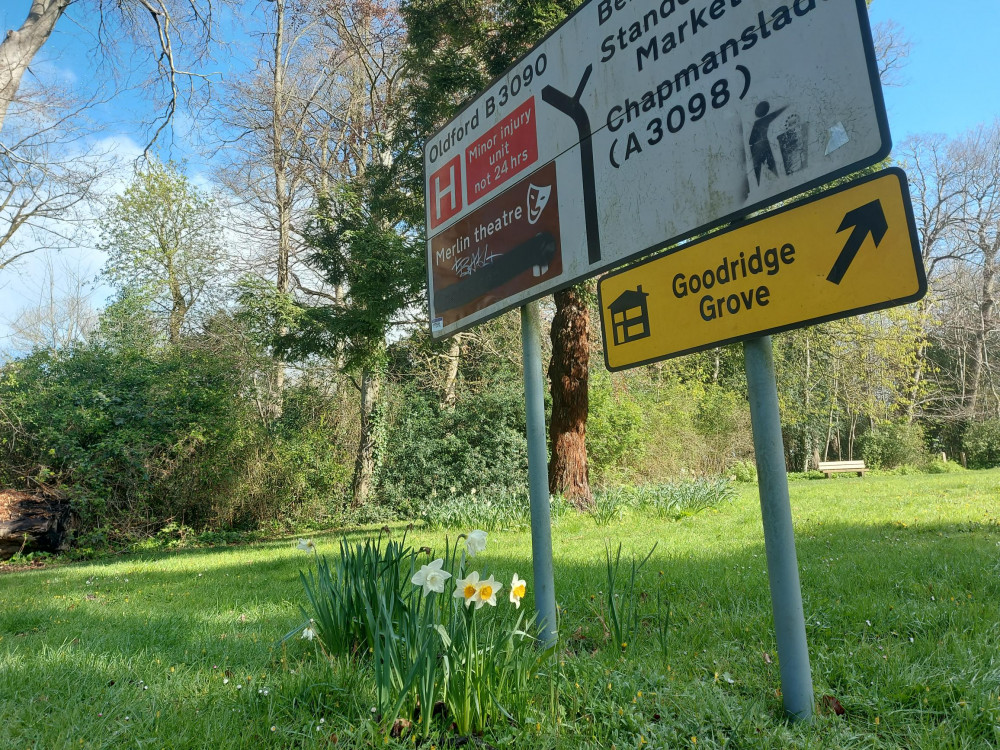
x,y
866,219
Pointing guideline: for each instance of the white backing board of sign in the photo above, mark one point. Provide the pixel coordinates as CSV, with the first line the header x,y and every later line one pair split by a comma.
x,y
636,124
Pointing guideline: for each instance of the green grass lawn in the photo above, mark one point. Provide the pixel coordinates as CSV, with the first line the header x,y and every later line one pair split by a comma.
x,y
900,582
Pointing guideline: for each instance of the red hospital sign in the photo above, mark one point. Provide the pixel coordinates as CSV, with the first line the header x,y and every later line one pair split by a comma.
x,y
446,191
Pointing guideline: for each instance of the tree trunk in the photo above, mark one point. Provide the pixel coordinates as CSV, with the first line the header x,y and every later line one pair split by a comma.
x,y
918,374
449,394
19,47
568,378
178,309
364,464
33,522
282,200
981,335
807,436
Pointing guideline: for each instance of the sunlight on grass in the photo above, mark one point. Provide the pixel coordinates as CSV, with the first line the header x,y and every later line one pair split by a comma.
x,y
900,579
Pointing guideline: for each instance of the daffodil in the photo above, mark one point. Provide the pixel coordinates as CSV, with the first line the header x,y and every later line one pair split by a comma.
x,y
487,592
517,589
475,542
431,577
306,545
467,588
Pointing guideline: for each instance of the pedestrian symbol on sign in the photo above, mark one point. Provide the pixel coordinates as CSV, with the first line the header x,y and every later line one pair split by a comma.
x,y
760,145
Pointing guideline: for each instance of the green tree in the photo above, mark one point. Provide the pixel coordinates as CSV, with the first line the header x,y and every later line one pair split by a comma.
x,y
358,247
163,239
455,49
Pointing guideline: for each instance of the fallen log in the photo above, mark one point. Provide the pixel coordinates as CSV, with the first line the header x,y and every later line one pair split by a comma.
x,y
33,522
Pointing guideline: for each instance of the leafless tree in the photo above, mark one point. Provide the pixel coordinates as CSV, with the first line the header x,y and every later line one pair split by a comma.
x,y
48,177
937,191
63,314
938,195
272,122
169,38
977,155
49,168
892,48
314,112
955,188
266,140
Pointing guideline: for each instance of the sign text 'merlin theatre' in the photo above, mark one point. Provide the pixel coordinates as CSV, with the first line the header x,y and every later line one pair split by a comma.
x,y
635,124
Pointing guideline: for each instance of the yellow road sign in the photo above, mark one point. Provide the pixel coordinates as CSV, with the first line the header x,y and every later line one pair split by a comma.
x,y
848,251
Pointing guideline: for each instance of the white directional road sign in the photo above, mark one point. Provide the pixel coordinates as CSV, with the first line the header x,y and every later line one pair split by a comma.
x,y
635,124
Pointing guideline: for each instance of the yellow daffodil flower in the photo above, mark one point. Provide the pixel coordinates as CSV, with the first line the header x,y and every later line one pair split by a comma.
x,y
487,592
467,588
517,589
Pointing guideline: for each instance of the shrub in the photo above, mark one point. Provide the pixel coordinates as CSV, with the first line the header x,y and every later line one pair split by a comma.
x,y
981,443
937,466
479,444
615,427
723,421
144,435
891,445
745,472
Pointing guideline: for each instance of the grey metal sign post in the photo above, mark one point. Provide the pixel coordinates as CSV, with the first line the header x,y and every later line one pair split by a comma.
x,y
538,475
779,539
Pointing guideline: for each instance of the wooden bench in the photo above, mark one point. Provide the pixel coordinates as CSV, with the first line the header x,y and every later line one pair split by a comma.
x,y
835,467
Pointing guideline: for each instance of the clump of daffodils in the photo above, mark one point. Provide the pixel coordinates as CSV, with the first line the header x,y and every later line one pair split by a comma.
x,y
490,659
472,589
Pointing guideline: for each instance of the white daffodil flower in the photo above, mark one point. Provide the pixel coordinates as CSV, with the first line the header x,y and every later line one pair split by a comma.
x,y
309,632
431,577
517,589
475,542
487,591
306,545
467,588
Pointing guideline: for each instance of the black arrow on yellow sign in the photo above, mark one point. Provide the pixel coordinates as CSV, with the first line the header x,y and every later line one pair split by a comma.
x,y
866,219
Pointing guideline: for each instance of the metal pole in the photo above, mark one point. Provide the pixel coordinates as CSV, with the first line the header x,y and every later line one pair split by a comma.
x,y
538,475
779,539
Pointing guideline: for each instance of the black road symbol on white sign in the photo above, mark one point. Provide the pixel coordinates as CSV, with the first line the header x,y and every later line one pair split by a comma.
x,y
571,106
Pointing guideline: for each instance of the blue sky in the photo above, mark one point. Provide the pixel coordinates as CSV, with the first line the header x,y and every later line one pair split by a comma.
x,y
950,85
951,81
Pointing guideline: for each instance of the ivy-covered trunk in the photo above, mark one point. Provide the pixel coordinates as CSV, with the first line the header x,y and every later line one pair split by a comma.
x,y
568,378
450,393
364,464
